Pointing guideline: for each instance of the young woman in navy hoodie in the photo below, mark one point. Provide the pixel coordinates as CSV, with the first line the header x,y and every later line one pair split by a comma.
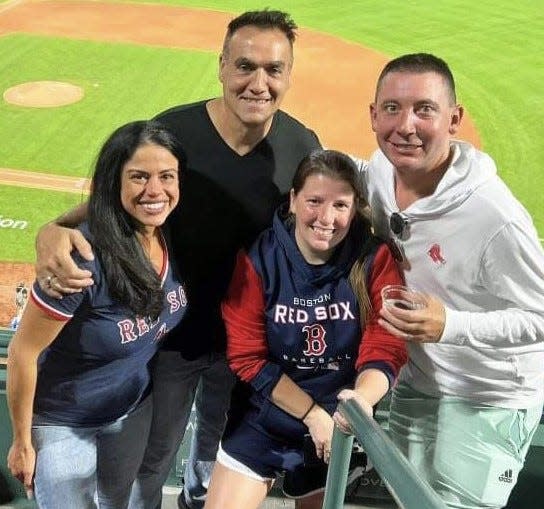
x,y
301,319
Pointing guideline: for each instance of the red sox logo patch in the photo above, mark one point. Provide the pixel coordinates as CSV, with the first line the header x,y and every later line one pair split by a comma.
x,y
315,339
435,253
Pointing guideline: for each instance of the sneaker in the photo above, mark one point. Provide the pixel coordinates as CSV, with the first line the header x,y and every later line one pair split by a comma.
x,y
304,481
182,503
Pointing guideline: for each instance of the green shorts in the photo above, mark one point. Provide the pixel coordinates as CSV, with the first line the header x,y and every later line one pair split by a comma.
x,y
470,453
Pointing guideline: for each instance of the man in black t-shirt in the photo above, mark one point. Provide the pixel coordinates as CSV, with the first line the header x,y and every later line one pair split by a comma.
x,y
239,155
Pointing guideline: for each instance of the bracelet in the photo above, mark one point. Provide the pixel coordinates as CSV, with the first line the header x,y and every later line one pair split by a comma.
x,y
308,411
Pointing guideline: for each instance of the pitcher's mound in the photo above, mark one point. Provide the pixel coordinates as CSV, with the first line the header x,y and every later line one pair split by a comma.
x,y
43,94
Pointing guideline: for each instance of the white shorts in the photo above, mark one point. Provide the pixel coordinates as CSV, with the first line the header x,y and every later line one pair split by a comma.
x,y
233,464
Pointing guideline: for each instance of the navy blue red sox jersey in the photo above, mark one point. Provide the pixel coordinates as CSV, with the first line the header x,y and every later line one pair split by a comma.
x,y
96,370
284,315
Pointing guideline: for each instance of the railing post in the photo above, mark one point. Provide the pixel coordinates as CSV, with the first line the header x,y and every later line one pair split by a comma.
x,y
337,474
407,488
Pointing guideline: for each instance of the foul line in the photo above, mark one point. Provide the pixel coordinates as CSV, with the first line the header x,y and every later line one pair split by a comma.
x,y
10,4
41,180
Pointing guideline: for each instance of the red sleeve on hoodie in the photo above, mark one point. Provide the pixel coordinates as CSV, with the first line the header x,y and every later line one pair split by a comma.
x,y
377,344
243,313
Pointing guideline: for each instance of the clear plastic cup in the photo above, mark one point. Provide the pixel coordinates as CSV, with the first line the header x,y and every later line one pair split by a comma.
x,y
402,297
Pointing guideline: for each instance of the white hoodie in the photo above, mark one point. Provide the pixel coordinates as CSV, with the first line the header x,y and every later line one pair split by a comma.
x,y
473,245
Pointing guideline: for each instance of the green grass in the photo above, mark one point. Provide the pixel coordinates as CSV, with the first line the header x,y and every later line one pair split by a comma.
x,y
122,82
35,206
495,49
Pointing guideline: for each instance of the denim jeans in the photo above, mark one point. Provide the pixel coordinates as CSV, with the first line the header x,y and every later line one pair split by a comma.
x,y
91,467
178,382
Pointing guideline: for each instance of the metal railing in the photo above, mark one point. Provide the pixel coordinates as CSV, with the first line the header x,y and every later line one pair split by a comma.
x,y
402,481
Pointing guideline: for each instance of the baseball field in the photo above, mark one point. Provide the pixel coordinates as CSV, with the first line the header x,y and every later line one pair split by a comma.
x,y
71,71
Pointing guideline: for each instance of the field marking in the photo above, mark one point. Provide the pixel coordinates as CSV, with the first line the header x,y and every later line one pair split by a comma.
x,y
41,180
10,4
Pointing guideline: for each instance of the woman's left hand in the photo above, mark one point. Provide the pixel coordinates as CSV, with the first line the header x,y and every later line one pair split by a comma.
x,y
21,463
344,395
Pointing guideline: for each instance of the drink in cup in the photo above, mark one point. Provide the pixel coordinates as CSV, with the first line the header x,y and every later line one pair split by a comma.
x,y
402,297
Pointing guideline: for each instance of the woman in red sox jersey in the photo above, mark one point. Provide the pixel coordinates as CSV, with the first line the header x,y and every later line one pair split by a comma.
x,y
78,377
301,319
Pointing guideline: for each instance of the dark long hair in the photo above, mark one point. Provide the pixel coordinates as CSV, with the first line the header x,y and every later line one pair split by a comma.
x,y
339,166
131,278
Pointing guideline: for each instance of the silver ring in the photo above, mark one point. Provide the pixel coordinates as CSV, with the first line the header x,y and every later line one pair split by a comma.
x,y
47,281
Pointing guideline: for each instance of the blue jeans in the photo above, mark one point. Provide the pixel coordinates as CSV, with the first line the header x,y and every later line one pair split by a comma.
x,y
178,382
89,467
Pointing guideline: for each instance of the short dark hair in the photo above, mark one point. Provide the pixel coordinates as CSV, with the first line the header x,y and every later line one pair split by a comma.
x,y
131,278
420,63
265,20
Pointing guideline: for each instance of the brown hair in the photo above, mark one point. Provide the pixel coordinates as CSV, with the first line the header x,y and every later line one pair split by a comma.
x,y
339,166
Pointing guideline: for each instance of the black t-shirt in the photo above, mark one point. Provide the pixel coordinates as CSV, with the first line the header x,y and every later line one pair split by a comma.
x,y
226,201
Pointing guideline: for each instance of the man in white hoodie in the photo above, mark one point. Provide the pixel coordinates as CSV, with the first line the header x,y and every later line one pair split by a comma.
x,y
470,398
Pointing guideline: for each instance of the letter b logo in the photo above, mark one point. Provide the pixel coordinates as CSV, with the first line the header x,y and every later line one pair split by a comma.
x,y
315,339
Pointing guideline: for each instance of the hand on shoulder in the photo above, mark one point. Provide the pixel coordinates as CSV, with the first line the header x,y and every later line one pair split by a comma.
x,y
56,271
